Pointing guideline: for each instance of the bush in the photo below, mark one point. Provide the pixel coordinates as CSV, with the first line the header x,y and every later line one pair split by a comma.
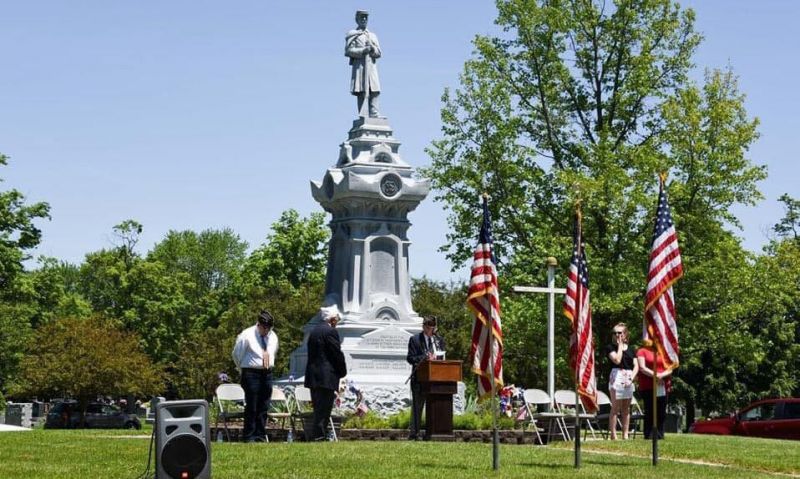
x,y
84,358
368,421
466,421
479,420
401,420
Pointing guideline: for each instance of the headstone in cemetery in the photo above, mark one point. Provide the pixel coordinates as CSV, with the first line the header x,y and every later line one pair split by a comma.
x,y
19,414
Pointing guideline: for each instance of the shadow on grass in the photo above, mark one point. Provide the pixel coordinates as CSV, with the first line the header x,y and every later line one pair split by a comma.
x,y
431,465
543,465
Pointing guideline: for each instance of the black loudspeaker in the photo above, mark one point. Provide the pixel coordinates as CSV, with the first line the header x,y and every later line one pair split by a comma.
x,y
183,440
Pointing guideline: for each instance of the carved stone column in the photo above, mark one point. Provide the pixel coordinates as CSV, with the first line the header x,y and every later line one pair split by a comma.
x,y
369,194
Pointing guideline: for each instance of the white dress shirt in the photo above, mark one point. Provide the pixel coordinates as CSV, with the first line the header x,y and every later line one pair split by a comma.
x,y
248,352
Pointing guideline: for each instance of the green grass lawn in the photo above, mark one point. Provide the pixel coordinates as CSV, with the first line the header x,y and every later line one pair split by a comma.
x,y
123,454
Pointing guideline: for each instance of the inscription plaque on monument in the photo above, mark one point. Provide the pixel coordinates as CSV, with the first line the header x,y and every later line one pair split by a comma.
x,y
387,339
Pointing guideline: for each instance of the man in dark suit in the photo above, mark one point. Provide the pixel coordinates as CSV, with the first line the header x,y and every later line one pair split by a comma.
x,y
325,366
422,346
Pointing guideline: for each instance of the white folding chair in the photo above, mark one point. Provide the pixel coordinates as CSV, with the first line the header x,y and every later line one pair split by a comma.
x,y
279,409
566,399
302,398
536,399
228,395
637,416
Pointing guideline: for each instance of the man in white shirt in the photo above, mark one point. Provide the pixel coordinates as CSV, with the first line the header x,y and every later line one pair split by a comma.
x,y
254,354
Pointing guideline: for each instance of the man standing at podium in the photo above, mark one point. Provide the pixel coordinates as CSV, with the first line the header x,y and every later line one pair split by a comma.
x,y
425,345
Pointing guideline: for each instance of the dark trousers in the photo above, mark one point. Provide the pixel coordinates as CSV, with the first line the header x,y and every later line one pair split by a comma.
x,y
257,385
661,404
417,403
322,400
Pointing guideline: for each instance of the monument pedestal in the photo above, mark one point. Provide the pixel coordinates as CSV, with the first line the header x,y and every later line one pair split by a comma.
x,y
369,194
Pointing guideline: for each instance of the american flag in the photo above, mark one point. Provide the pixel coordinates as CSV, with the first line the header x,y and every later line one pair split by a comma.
x,y
484,300
665,268
579,311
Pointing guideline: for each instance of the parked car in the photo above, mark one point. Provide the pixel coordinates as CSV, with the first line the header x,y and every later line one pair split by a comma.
x,y
773,418
67,415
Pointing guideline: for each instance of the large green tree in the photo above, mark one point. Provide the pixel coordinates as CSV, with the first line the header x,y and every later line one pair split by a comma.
x,y
590,101
789,225
142,296
83,358
18,236
285,275
293,254
18,232
211,260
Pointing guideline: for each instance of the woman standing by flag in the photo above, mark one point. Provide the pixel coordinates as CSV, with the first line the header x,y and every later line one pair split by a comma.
x,y
624,368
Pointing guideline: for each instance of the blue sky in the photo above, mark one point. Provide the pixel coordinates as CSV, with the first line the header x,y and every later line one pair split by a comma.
x,y
206,114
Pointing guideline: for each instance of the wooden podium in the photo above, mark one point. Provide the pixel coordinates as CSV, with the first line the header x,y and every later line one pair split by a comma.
x,y
438,380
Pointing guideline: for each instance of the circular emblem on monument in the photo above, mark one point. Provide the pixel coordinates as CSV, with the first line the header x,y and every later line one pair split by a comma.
x,y
390,185
328,186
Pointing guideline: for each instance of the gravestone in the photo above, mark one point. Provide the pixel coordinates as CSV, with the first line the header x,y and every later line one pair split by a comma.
x,y
369,192
19,414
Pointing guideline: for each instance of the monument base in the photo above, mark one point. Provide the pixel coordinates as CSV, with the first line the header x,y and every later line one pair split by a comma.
x,y
381,398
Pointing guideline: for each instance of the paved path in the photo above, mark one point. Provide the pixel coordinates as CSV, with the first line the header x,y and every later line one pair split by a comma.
x,y
10,428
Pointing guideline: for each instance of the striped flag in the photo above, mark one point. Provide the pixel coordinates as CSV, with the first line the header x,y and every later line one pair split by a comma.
x,y
665,268
579,311
484,300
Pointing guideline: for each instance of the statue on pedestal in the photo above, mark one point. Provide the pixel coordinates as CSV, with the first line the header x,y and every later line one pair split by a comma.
x,y
363,48
369,193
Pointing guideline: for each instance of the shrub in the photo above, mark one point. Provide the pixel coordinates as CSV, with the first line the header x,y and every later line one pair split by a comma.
x,y
368,421
481,420
467,421
401,420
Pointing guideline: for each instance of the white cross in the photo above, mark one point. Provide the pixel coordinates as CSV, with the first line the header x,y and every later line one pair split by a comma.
x,y
551,290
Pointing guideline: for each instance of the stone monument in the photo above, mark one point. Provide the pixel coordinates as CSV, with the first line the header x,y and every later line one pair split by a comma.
x,y
369,194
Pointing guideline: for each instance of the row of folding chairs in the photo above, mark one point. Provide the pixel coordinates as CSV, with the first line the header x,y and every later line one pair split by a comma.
x,y
559,414
230,400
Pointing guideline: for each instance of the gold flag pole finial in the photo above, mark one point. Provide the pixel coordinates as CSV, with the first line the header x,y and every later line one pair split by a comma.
x,y
663,176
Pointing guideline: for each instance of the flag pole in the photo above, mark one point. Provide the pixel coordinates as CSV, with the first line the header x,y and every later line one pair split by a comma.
x,y
662,177
578,305
495,434
654,430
